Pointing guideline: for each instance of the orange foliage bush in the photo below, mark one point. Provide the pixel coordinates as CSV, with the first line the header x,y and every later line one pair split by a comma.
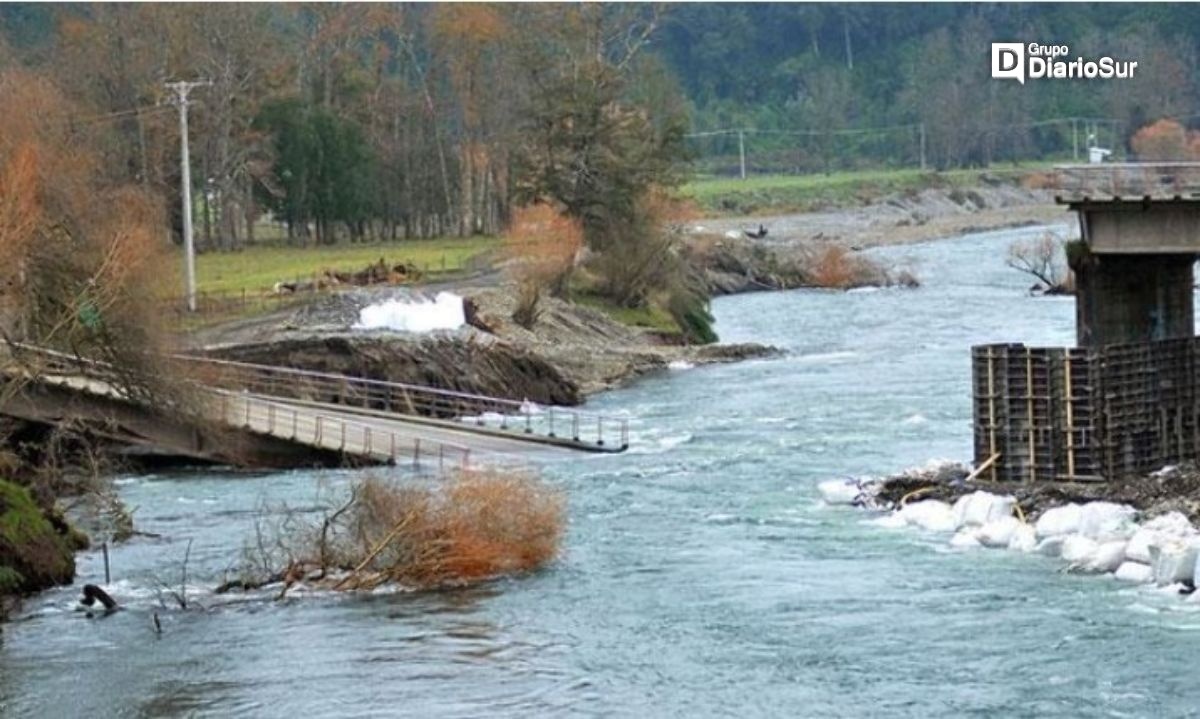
x,y
836,267
542,245
1163,141
477,526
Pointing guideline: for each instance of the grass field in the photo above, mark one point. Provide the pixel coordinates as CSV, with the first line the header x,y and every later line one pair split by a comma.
x,y
260,267
800,193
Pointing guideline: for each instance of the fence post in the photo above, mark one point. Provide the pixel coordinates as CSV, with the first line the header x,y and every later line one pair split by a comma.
x,y
551,411
600,431
1029,414
417,453
1067,400
742,152
923,169
991,379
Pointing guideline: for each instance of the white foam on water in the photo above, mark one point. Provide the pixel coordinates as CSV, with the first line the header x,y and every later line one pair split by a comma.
x,y
445,312
679,365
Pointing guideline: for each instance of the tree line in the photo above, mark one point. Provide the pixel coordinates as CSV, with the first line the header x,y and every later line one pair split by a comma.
x,y
348,121
832,67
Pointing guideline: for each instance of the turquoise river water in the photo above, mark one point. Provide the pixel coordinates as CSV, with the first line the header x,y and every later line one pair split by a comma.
x,y
701,575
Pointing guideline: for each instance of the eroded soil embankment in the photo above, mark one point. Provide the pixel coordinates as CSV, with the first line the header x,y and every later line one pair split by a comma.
x,y
570,352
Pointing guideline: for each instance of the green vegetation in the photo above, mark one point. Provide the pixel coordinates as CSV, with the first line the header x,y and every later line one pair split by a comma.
x,y
32,554
801,193
259,268
649,317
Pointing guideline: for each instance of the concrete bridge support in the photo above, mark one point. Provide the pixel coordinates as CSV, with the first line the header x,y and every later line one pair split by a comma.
x,y
1125,298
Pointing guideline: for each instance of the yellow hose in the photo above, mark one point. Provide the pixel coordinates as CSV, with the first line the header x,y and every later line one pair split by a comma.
x,y
1020,512
914,493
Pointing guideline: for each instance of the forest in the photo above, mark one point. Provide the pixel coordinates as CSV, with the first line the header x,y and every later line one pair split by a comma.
x,y
385,121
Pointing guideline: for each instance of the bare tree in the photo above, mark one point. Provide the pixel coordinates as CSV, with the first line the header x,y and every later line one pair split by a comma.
x,y
1042,258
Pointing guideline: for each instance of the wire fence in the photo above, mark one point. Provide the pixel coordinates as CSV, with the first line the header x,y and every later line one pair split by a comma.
x,y
745,151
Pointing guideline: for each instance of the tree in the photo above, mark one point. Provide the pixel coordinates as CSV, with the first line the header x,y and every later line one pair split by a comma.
x,y
323,170
543,245
1042,259
1162,140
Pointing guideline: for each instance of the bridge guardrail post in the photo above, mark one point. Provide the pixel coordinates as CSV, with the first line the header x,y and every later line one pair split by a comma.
x,y
528,420
600,431
575,426
550,411
416,453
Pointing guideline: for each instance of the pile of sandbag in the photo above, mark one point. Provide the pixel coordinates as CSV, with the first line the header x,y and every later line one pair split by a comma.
x,y
850,491
1100,537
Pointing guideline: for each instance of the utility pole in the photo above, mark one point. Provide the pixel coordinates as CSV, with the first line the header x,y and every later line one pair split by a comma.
x,y
181,90
742,151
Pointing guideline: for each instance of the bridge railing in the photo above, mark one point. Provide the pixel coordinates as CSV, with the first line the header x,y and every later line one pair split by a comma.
x,y
326,431
584,428
265,416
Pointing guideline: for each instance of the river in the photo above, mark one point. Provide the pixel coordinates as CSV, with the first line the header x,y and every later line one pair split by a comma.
x,y
701,574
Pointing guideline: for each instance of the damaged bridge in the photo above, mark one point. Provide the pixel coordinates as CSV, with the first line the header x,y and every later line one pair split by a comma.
x,y
262,416
1126,399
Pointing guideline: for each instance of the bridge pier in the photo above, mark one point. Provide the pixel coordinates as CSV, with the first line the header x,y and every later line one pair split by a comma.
x,y
1126,401
1121,298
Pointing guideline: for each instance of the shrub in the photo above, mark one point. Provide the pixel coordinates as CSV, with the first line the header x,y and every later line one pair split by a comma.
x,y
475,526
836,267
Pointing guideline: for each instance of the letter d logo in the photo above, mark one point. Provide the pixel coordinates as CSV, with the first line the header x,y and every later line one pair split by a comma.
x,y
1008,60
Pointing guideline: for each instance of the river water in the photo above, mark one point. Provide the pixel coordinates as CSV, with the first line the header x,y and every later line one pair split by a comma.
x,y
701,574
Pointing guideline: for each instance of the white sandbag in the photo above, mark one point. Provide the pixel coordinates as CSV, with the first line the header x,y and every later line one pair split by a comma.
x,y
1060,521
998,532
1135,572
979,508
1165,527
1173,524
1050,546
1023,539
931,515
1174,560
1138,549
891,520
839,491
1108,557
1107,521
965,539
1078,549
